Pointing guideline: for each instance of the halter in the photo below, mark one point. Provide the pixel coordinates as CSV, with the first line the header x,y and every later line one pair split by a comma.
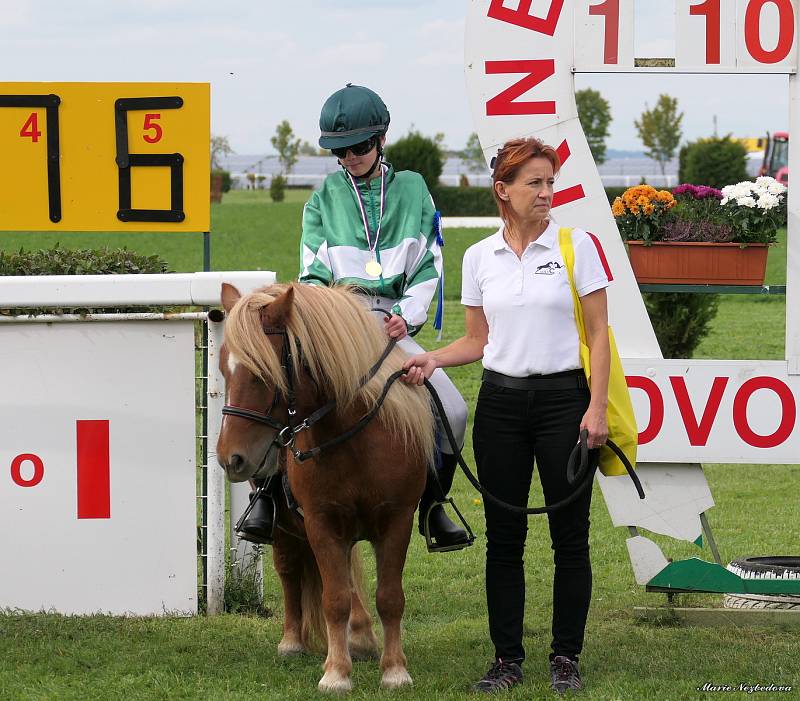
x,y
285,437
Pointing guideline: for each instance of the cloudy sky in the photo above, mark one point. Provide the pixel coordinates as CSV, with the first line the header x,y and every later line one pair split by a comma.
x,y
269,60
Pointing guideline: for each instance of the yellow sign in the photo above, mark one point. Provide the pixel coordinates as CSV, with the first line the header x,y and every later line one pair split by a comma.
x,y
104,156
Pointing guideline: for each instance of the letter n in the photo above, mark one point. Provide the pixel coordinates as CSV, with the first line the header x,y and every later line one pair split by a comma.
x,y
504,103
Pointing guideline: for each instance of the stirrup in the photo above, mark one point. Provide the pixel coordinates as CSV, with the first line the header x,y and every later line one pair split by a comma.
x,y
433,547
260,491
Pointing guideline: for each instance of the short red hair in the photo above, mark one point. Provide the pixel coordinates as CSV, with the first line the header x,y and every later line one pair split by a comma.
x,y
511,157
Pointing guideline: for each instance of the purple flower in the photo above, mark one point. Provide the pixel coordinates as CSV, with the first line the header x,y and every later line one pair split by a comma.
x,y
697,192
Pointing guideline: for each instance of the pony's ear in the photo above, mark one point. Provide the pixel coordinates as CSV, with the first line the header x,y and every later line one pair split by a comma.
x,y
230,295
276,314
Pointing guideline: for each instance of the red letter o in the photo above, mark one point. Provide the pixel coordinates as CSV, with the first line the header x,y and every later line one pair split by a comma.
x,y
16,470
788,407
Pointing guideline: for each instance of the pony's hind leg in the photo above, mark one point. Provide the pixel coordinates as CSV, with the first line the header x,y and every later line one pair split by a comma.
x,y
362,641
390,554
288,560
333,559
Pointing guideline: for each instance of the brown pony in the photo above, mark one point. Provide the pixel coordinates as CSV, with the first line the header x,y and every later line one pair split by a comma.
x,y
366,488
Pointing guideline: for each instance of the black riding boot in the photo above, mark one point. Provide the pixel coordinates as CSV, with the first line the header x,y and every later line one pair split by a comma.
x,y
444,534
260,522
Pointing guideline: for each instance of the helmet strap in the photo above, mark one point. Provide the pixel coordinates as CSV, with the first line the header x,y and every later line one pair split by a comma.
x,y
375,164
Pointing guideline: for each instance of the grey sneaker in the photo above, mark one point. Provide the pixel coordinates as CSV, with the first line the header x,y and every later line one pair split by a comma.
x,y
565,675
500,677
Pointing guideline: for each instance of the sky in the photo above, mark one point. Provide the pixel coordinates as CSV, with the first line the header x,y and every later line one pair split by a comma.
x,y
270,60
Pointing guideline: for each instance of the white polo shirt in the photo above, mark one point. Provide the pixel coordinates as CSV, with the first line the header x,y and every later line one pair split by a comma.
x,y
528,302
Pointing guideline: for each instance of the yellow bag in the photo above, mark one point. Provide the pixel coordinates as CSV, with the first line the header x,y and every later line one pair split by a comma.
x,y
622,428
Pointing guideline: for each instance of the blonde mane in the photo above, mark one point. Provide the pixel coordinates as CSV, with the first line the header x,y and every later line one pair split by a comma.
x,y
340,341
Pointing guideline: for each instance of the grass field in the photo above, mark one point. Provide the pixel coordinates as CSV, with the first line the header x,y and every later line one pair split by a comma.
x,y
46,656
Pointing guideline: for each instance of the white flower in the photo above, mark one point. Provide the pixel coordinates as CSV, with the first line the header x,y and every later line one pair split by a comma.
x,y
723,201
764,181
746,201
776,188
768,201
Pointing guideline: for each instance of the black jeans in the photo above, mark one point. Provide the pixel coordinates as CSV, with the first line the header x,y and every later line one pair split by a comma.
x,y
512,428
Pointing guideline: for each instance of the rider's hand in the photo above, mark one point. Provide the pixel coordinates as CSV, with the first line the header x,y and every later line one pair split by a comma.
x,y
594,421
396,327
419,368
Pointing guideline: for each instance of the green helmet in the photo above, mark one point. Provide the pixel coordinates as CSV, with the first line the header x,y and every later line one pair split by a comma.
x,y
352,115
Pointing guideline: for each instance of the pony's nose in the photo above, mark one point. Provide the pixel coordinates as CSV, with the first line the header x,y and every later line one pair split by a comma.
x,y
234,464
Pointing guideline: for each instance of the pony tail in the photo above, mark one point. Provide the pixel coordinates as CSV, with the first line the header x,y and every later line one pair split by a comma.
x,y
313,631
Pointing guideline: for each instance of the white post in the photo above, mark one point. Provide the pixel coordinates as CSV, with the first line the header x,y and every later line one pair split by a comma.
x,y
215,400
245,556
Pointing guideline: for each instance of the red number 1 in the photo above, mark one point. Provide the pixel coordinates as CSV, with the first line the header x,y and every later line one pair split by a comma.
x,y
710,8
31,128
610,10
151,124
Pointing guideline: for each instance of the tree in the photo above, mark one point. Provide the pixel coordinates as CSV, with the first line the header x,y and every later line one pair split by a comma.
x,y
419,153
473,154
715,162
306,149
594,114
286,145
220,148
660,129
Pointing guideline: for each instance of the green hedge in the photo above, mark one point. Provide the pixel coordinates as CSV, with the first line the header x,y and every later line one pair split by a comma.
x,y
465,201
478,201
63,261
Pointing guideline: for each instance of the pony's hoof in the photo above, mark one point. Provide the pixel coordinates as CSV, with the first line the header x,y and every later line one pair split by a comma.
x,y
287,648
335,683
395,677
364,647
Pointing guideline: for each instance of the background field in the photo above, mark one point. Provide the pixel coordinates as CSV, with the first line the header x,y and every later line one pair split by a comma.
x,y
47,656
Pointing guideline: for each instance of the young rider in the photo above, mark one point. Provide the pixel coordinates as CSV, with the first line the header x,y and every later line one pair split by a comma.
x,y
376,229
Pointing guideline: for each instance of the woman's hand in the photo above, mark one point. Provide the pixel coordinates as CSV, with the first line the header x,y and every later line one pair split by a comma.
x,y
396,327
594,421
419,368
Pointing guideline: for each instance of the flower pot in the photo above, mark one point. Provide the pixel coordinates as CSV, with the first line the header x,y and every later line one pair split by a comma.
x,y
691,263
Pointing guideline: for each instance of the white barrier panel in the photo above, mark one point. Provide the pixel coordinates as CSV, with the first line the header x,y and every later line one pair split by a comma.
x,y
718,411
97,467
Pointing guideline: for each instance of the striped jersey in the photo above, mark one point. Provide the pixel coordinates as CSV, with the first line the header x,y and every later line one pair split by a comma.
x,y
334,248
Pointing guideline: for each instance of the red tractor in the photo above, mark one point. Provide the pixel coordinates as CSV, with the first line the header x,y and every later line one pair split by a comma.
x,y
776,157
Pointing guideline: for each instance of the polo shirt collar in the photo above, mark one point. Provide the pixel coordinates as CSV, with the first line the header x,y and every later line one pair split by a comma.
x,y
546,240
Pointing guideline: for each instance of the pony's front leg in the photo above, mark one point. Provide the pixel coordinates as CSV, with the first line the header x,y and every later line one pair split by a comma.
x,y
390,555
287,556
333,559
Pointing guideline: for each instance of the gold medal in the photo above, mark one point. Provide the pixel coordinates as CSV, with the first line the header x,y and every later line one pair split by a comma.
x,y
373,268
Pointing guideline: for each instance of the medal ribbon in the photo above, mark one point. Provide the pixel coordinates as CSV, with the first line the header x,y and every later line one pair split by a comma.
x,y
362,208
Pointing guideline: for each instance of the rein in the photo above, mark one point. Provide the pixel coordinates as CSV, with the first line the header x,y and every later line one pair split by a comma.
x,y
580,467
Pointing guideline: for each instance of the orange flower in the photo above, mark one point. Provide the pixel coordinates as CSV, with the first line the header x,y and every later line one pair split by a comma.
x,y
649,208
618,208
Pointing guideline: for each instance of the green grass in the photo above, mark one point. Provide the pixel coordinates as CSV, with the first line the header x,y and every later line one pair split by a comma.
x,y
47,656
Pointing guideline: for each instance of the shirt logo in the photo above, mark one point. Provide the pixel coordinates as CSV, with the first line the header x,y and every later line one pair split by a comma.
x,y
550,268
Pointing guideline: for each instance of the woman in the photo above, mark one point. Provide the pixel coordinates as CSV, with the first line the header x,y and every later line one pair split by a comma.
x,y
533,401
375,229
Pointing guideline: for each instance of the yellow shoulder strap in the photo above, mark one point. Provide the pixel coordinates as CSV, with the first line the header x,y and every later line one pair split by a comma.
x,y
568,254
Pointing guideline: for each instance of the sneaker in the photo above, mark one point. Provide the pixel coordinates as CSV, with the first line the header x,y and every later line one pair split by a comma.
x,y
500,677
565,675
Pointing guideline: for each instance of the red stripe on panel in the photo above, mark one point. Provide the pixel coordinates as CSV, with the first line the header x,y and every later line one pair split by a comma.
x,y
94,480
602,254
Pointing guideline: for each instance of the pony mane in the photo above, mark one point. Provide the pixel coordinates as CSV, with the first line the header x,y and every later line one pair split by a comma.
x,y
340,341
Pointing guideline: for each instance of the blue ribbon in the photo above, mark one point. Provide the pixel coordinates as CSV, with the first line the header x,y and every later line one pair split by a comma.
x,y
438,320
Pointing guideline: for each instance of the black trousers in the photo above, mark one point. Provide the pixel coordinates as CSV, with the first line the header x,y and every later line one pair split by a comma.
x,y
512,428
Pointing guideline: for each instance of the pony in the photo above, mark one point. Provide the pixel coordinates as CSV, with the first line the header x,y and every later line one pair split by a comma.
x,y
364,488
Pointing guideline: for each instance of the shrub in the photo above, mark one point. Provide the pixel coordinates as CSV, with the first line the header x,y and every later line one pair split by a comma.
x,y
715,162
62,261
465,201
418,153
277,188
680,321
226,179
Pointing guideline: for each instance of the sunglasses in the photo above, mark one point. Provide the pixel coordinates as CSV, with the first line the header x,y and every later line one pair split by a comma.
x,y
359,149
